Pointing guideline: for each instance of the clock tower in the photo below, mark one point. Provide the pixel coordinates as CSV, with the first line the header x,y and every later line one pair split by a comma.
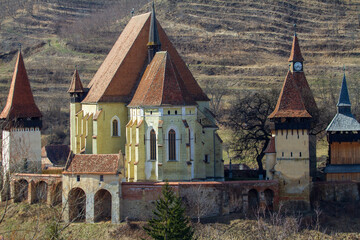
x,y
296,60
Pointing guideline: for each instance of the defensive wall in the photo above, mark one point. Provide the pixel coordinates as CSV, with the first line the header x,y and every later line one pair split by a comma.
x,y
218,198
137,200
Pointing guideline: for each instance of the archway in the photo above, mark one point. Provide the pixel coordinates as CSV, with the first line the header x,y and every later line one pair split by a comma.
x,y
21,190
269,199
77,205
41,189
57,194
253,199
102,207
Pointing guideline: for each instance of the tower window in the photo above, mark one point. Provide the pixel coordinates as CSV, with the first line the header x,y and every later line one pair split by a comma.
x,y
291,154
78,178
175,112
282,154
300,154
172,145
150,112
152,145
168,112
101,178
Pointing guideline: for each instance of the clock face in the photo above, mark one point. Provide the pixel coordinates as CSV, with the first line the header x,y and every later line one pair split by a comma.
x,y
297,66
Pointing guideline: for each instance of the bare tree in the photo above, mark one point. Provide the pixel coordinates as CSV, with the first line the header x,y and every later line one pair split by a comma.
x,y
248,120
199,200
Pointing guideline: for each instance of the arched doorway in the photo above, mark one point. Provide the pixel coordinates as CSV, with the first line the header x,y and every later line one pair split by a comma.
x,y
41,189
102,207
21,190
57,194
269,199
77,205
253,199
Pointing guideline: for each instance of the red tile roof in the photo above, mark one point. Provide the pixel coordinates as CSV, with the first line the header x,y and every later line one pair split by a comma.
x,y
306,93
161,85
117,77
290,104
76,85
20,102
94,164
295,54
271,146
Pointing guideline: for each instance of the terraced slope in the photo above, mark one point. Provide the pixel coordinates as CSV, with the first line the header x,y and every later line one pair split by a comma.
x,y
245,43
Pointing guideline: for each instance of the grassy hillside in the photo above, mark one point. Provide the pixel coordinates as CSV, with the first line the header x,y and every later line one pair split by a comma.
x,y
243,44
35,221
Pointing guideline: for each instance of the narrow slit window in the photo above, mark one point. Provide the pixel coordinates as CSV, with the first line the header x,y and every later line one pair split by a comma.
x,y
115,128
172,145
152,145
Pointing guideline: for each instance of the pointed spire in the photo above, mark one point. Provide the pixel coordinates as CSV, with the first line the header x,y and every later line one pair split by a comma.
x,y
154,43
154,39
344,104
76,85
295,54
20,102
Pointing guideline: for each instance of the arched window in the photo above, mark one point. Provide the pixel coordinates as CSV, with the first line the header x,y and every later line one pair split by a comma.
x,y
115,128
172,145
152,145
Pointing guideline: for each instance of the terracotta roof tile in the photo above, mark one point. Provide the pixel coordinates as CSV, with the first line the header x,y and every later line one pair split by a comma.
x,y
76,85
94,164
271,146
306,93
295,54
20,102
161,85
117,77
290,103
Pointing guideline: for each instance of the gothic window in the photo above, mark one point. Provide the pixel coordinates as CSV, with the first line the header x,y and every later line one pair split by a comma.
x,y
152,145
172,145
115,126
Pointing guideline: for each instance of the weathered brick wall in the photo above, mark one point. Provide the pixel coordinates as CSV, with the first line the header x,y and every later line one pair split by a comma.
x,y
219,198
344,191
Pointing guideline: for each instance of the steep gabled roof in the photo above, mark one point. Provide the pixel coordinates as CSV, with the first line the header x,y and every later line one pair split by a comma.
x,y
76,85
20,102
161,85
118,76
290,104
295,54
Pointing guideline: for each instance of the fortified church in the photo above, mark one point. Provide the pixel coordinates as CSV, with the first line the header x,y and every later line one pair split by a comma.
x,y
144,119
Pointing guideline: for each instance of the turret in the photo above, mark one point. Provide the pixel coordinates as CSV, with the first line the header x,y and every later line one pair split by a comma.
x,y
21,124
76,89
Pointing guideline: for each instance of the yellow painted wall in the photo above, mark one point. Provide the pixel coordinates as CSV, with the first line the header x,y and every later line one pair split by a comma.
x,y
201,142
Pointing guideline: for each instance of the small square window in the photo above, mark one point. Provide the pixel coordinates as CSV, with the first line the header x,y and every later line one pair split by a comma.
x,y
101,178
78,178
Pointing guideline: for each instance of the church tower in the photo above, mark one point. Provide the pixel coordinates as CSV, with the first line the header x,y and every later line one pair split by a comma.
x,y
343,134
21,124
77,94
289,153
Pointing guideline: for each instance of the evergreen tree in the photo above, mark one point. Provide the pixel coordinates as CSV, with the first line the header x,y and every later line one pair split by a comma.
x,y
170,222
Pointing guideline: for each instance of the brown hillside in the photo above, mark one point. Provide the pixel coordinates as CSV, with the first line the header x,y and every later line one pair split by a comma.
x,y
246,43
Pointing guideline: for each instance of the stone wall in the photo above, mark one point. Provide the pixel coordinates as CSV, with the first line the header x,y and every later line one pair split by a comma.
x,y
218,198
342,191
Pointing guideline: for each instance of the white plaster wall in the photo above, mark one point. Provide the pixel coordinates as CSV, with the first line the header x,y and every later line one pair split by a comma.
x,y
21,143
91,184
